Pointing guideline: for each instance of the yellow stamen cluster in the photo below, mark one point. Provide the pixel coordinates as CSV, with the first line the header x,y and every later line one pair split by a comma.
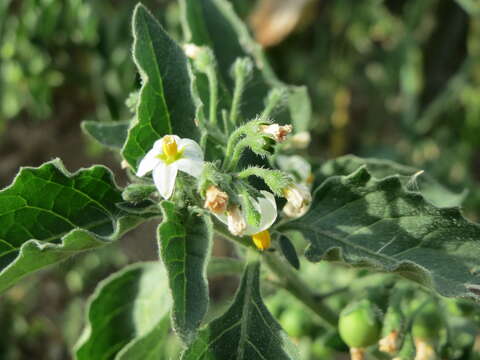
x,y
262,240
170,150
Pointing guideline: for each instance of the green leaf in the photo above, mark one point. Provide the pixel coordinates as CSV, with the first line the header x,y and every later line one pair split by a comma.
x,y
166,104
247,331
185,240
214,23
126,310
412,178
289,252
110,134
48,215
149,346
376,223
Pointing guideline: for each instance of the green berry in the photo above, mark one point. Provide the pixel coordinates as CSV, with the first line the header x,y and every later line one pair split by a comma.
x,y
359,324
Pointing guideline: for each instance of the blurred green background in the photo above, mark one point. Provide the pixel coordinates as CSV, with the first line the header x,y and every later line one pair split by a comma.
x,y
396,79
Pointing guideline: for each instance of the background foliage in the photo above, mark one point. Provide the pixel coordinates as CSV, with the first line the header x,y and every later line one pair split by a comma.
x,y
391,79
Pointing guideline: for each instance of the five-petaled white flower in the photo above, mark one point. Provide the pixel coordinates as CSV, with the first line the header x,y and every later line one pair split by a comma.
x,y
167,156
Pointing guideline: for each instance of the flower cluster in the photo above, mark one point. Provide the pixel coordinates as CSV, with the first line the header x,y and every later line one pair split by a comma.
x,y
171,154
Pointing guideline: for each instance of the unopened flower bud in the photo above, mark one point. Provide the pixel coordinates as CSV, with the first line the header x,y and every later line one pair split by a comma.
x,y
389,343
191,50
301,140
235,221
216,200
277,132
298,200
262,240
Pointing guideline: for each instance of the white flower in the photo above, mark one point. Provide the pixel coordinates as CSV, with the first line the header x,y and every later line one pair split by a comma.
x,y
298,200
168,155
235,219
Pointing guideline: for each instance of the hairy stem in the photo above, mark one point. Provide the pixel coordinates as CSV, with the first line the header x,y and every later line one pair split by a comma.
x,y
297,287
213,89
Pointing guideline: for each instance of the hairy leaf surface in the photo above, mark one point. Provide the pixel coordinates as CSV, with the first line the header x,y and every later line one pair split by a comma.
x,y
109,134
379,224
166,104
48,215
412,178
126,311
247,331
185,242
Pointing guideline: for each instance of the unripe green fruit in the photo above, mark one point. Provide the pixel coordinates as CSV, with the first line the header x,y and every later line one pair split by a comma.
x,y
428,323
359,324
292,323
320,350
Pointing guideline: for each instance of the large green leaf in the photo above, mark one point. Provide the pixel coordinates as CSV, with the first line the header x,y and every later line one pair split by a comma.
x,y
412,178
185,240
126,310
247,331
214,23
109,134
166,104
379,224
48,215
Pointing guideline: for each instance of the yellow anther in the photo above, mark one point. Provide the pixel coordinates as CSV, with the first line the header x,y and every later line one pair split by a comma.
x,y
262,240
170,150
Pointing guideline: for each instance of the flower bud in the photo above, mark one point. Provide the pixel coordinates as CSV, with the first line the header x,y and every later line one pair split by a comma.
x,y
277,132
262,240
216,200
298,200
191,50
301,140
235,221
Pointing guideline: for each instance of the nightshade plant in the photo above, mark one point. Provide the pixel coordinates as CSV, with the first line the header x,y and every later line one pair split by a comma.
x,y
211,150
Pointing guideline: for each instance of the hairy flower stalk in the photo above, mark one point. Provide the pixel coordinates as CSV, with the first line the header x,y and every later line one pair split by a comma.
x,y
216,200
167,156
298,200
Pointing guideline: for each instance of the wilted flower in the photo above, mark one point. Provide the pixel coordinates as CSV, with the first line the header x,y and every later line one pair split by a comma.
x,y
216,200
235,219
389,343
277,132
167,156
298,200
301,140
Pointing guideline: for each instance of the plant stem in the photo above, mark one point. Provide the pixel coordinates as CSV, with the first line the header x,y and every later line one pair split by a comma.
x,y
213,88
237,95
297,287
